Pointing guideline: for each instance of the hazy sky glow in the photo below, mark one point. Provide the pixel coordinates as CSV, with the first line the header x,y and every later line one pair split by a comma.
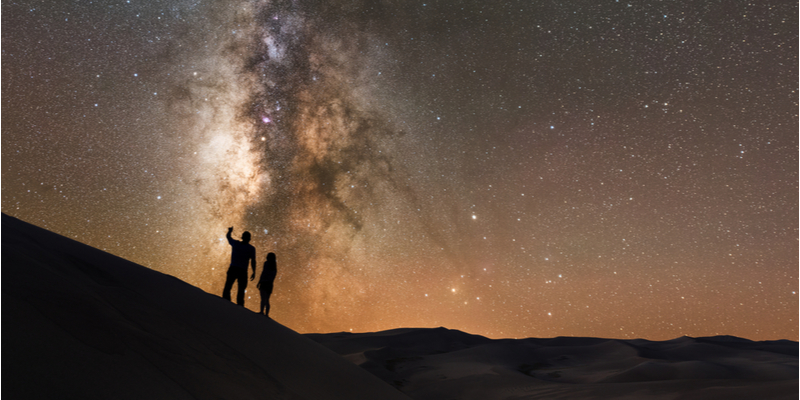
x,y
510,169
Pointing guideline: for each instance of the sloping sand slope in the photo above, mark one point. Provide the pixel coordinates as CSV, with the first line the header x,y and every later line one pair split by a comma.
x,y
80,323
446,364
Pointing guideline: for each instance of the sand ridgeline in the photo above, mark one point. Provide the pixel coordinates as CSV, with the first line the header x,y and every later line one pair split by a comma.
x,y
82,323
442,363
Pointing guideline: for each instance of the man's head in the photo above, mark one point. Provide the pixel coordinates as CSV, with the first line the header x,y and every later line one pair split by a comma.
x,y
246,237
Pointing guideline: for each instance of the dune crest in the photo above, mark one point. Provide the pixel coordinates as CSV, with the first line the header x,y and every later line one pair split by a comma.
x,y
82,323
441,363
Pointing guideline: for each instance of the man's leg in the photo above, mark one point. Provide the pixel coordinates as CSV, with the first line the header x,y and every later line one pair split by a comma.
x,y
226,293
242,286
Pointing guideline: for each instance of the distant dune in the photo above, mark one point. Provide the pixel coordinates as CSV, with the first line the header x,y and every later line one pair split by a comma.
x,y
447,364
81,323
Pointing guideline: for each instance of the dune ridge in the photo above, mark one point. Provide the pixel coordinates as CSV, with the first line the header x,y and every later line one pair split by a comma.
x,y
441,363
82,323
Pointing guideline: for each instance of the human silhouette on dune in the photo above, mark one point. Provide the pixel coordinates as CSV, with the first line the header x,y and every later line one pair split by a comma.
x,y
242,253
265,284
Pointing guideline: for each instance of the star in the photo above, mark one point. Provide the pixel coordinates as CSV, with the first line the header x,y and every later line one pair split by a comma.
x,y
367,160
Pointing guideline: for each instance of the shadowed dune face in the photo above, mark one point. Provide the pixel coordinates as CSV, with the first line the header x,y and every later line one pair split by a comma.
x,y
81,323
440,362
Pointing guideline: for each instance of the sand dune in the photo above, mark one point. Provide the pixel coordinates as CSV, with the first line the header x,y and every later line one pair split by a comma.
x,y
80,323
446,364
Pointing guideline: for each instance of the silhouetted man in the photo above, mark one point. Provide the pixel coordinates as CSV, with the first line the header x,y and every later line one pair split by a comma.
x,y
241,253
265,284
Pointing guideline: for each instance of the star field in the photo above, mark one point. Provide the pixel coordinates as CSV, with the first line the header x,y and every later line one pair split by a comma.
x,y
522,169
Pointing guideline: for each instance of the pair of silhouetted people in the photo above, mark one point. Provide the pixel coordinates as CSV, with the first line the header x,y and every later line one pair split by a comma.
x,y
242,254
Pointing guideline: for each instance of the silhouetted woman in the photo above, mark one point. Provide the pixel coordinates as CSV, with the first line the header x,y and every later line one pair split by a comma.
x,y
265,284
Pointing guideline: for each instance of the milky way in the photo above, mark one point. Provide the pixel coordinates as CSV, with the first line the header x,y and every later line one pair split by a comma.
x,y
619,169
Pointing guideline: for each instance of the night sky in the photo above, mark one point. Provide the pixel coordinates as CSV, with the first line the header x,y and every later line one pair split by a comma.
x,y
510,169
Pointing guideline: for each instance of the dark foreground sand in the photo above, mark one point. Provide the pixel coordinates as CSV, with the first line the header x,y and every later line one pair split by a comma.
x,y
80,323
